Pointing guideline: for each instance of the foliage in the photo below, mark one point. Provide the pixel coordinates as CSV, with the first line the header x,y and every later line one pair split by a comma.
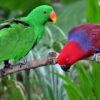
x,y
67,1
23,6
89,87
12,90
93,11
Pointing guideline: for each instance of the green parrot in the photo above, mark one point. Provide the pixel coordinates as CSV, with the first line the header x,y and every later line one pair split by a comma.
x,y
19,36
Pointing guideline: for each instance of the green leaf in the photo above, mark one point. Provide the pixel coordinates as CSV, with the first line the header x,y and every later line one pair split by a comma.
x,y
11,89
93,11
86,83
67,1
96,79
22,5
71,93
72,86
51,95
14,92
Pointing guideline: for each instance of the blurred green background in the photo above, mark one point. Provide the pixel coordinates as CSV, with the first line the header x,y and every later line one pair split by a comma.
x,y
51,83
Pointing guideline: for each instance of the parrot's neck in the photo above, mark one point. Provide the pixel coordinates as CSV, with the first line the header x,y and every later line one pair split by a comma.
x,y
38,28
33,22
72,52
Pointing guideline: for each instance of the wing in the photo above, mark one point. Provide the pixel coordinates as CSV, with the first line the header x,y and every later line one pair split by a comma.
x,y
95,35
87,27
87,35
16,39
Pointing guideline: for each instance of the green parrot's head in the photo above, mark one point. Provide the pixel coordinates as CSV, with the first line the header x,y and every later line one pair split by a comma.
x,y
42,14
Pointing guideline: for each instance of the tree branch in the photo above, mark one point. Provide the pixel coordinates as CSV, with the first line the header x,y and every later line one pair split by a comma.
x,y
50,60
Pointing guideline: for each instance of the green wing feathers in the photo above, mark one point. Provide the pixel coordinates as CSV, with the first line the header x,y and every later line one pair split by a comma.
x,y
16,39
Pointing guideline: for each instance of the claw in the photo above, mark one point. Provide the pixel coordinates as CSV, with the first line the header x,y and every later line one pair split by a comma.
x,y
21,64
25,63
7,65
97,57
2,72
10,66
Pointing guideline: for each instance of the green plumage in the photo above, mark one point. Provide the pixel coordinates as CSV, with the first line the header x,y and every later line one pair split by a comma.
x,y
18,38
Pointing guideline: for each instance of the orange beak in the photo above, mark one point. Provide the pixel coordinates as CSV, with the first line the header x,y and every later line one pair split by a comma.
x,y
53,17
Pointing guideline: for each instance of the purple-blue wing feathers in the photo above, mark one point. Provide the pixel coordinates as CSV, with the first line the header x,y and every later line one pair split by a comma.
x,y
87,35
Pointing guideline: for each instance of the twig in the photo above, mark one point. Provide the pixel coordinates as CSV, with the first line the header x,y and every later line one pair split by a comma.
x,y
50,60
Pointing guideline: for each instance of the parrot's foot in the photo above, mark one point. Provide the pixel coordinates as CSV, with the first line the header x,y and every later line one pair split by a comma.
x,y
7,65
65,68
97,57
21,64
2,72
25,63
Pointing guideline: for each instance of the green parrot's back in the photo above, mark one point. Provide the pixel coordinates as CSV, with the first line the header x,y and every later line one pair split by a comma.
x,y
16,41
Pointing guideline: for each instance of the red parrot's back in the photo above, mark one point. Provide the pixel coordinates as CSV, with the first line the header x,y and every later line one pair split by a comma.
x,y
89,31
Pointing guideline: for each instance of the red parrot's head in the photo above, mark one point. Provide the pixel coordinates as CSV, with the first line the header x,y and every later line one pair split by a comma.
x,y
71,53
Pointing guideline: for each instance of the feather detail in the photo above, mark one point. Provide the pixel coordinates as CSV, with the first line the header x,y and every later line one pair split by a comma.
x,y
8,25
95,35
5,26
19,22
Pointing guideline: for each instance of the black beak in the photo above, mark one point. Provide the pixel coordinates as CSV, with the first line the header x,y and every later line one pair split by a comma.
x,y
65,68
50,20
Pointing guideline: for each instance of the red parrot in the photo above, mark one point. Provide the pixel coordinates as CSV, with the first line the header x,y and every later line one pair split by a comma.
x,y
83,41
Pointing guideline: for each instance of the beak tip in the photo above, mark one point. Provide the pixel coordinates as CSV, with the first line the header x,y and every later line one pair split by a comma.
x,y
54,22
65,68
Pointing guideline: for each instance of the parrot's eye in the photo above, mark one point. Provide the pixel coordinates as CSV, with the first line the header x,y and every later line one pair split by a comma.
x,y
67,59
44,12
